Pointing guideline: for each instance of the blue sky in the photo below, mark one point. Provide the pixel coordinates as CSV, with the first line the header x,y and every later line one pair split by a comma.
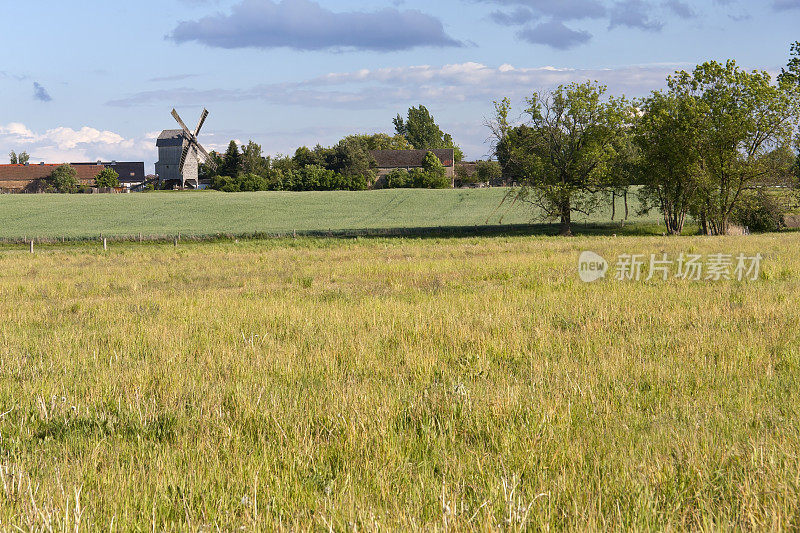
x,y
97,79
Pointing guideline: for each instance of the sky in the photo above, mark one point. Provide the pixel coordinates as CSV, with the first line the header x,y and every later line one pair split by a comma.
x,y
89,80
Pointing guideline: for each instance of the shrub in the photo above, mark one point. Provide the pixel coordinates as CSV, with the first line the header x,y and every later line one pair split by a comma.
x,y
398,179
64,179
759,211
107,178
489,172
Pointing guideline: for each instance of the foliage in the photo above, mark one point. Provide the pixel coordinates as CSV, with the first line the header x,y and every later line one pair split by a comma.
x,y
667,135
381,141
64,179
231,161
422,132
239,183
741,116
253,161
18,159
791,74
566,150
489,172
760,211
107,177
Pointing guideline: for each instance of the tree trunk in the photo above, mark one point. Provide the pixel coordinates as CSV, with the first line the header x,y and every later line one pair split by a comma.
x,y
566,218
613,206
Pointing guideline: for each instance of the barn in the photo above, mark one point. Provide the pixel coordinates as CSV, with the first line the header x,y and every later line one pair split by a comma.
x,y
389,160
32,178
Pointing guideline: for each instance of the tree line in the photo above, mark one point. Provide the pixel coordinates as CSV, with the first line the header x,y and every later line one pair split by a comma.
x,y
718,145
347,165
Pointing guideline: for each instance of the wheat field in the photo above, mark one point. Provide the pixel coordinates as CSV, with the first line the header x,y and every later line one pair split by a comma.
x,y
396,384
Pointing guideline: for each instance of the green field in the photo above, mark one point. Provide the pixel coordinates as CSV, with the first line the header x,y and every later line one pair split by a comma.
x,y
395,384
211,213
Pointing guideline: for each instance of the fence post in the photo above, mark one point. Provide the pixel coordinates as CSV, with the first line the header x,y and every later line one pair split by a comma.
x,y
31,245
105,244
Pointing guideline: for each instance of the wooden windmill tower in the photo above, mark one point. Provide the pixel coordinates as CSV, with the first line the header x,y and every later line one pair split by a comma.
x,y
179,154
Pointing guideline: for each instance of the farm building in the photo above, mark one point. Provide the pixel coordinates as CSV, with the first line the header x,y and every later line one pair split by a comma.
x,y
131,174
389,160
32,178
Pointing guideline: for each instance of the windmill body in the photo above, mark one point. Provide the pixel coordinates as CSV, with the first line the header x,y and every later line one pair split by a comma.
x,y
180,155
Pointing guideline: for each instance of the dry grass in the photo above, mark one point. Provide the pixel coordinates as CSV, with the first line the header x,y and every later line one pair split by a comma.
x,y
395,384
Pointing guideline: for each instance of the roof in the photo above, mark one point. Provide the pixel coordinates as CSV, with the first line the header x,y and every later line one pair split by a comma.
x,y
129,171
410,158
171,138
10,173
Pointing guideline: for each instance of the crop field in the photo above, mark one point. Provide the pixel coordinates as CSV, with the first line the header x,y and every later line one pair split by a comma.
x,y
387,384
210,213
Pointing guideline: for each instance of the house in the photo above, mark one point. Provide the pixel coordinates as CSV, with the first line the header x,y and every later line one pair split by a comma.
x,y
32,177
131,174
389,160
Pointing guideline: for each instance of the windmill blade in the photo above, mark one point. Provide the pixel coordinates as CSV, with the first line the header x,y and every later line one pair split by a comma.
x,y
203,117
202,150
184,155
177,117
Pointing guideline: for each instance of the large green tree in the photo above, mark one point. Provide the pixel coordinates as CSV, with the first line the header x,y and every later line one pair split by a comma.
x,y
253,161
742,116
420,129
107,177
565,151
64,179
231,161
670,167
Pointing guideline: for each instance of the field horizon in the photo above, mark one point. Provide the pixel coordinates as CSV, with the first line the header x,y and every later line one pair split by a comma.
x,y
210,213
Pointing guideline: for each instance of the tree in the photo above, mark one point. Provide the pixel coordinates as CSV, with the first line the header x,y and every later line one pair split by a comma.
x,y
741,116
489,172
667,135
350,158
252,160
381,141
563,154
422,132
231,161
791,74
106,178
19,159
64,179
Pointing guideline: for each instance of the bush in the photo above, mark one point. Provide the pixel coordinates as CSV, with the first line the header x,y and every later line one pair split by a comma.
x,y
64,179
106,178
398,179
759,211
489,172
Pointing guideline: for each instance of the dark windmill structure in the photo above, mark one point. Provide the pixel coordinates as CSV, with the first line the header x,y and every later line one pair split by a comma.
x,y
180,154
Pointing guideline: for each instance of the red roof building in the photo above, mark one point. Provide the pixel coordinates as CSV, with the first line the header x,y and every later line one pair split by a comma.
x,y
31,178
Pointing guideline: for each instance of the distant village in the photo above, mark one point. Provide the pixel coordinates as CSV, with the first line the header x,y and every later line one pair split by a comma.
x,y
367,161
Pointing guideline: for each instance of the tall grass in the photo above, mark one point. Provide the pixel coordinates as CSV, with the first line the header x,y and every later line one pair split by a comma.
x,y
395,384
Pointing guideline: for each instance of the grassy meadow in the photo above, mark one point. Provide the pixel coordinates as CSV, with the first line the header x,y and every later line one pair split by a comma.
x,y
388,384
209,213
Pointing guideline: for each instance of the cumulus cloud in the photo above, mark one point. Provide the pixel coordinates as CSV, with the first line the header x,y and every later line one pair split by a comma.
x,y
306,25
63,144
634,14
391,88
40,93
553,23
555,34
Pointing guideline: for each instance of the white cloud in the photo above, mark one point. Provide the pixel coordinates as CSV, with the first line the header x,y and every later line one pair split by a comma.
x,y
399,86
64,144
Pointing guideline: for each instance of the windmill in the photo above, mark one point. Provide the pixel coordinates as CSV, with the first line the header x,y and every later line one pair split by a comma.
x,y
179,154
